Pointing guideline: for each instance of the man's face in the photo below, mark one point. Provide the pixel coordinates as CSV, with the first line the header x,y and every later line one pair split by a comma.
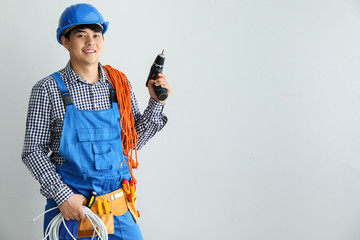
x,y
85,46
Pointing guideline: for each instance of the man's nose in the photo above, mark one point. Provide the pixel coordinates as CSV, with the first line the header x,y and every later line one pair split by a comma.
x,y
90,41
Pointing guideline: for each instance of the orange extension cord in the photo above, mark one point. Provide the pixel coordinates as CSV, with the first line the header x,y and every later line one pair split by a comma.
x,y
129,136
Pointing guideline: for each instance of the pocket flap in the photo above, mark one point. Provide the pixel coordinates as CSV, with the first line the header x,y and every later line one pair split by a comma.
x,y
103,134
101,148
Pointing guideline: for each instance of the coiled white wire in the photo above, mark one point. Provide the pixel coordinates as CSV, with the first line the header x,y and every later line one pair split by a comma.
x,y
52,230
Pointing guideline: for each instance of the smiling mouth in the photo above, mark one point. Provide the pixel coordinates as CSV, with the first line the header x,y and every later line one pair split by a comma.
x,y
89,51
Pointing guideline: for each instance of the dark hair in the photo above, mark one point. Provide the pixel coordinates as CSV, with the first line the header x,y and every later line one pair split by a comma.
x,y
94,27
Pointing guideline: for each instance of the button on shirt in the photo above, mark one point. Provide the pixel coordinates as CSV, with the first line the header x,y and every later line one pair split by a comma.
x,y
45,120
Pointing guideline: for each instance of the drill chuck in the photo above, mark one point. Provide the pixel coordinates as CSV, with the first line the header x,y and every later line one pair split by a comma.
x,y
155,69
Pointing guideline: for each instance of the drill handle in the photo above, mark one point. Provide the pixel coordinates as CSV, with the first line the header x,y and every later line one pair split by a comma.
x,y
161,93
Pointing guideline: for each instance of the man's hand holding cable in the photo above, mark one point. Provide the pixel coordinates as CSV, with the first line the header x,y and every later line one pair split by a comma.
x,y
161,81
71,209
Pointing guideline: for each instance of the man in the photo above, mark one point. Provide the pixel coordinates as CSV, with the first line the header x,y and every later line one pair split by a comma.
x,y
73,144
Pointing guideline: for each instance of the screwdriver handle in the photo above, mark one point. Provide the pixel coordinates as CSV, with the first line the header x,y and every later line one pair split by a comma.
x,y
126,186
91,199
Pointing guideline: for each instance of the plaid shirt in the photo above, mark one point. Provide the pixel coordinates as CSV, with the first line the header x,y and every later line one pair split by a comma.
x,y
45,120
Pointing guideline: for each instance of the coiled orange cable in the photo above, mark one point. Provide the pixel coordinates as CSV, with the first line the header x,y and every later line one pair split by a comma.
x,y
129,136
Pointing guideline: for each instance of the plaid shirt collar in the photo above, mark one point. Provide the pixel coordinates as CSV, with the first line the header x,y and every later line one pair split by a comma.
x,y
73,77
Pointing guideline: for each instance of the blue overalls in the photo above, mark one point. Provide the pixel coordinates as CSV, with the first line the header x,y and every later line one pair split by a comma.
x,y
91,144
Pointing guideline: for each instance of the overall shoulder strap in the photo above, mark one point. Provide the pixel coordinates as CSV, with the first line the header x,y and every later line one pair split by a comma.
x,y
63,89
113,96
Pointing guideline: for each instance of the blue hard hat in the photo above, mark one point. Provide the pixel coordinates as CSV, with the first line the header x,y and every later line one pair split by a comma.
x,y
79,14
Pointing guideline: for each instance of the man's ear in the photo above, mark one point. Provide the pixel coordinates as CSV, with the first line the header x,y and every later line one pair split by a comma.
x,y
65,42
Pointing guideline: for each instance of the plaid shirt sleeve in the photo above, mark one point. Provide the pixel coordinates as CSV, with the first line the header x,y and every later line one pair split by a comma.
x,y
150,122
36,146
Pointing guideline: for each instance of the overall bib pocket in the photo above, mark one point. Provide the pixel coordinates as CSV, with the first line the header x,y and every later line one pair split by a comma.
x,y
104,144
103,156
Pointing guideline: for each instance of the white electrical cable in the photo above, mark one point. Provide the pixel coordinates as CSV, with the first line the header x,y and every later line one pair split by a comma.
x,y
52,230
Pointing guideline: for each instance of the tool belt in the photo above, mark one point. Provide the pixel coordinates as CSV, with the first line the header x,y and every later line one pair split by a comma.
x,y
106,207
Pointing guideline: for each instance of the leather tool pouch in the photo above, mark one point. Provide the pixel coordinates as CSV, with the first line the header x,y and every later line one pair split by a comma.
x,y
132,208
87,230
118,205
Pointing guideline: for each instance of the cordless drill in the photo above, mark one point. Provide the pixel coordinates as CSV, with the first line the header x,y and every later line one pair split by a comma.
x,y
156,68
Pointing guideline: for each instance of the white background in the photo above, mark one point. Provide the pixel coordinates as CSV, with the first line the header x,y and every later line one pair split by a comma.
x,y
264,120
